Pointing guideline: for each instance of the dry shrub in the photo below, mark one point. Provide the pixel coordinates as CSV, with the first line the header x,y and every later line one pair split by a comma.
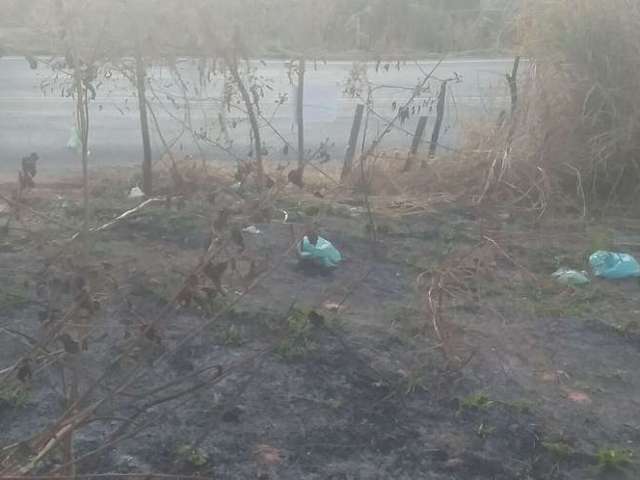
x,y
574,138
578,124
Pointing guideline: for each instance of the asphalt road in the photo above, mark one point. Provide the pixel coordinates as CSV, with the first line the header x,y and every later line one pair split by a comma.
x,y
36,117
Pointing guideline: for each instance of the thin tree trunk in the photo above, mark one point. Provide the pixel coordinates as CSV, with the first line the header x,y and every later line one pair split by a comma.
x,y
353,140
300,115
512,80
435,136
147,174
415,144
232,63
82,121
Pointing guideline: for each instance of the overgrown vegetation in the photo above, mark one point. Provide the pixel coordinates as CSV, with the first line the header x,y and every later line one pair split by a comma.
x,y
112,330
570,138
614,459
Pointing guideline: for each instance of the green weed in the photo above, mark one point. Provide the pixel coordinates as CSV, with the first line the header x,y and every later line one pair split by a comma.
x,y
415,381
614,459
520,406
14,395
559,450
191,455
298,337
484,430
476,401
232,336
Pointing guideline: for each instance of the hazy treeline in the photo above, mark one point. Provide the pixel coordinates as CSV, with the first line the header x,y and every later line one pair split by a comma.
x,y
297,26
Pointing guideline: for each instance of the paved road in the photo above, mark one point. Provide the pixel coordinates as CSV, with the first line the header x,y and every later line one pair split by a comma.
x,y
34,116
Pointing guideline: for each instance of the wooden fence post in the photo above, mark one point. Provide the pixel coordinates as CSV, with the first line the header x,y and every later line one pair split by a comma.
x,y
435,136
415,144
512,80
300,115
353,140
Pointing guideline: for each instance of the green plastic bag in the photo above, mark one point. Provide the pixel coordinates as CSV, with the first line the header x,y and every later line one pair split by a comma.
x,y
75,143
322,253
614,266
574,278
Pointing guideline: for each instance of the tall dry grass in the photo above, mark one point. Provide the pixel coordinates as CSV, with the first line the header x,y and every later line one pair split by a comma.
x,y
575,135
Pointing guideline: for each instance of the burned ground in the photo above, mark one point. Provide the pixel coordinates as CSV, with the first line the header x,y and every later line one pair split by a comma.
x,y
339,375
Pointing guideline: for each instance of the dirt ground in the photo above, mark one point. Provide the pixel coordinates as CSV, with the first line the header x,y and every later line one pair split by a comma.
x,y
338,375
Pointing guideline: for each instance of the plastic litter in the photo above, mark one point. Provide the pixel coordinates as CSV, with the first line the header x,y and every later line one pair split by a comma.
x,y
252,229
75,143
613,265
570,277
322,253
136,192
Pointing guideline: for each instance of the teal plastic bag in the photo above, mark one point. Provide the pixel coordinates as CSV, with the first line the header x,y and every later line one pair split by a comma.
x,y
323,252
614,266
573,278
75,143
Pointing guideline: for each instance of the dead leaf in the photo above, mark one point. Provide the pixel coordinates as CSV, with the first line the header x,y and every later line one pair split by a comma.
x,y
578,397
332,306
268,455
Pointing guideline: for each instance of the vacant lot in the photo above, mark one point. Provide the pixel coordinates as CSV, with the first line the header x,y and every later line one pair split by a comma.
x,y
443,350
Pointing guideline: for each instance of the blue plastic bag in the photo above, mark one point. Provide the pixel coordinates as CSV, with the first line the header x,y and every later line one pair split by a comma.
x,y
614,266
322,253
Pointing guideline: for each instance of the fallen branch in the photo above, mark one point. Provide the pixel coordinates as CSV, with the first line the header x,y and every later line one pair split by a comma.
x,y
124,216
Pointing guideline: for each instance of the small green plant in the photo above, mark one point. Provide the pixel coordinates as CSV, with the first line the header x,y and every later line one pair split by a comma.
x,y
232,336
559,450
520,406
485,430
415,381
298,337
476,401
312,211
14,395
628,328
191,455
614,459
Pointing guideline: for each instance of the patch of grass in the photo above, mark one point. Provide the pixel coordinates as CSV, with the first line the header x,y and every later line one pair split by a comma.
x,y
614,459
485,430
195,457
14,395
420,263
415,381
476,401
13,294
312,211
628,328
549,300
232,336
520,406
405,319
337,211
559,450
298,338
